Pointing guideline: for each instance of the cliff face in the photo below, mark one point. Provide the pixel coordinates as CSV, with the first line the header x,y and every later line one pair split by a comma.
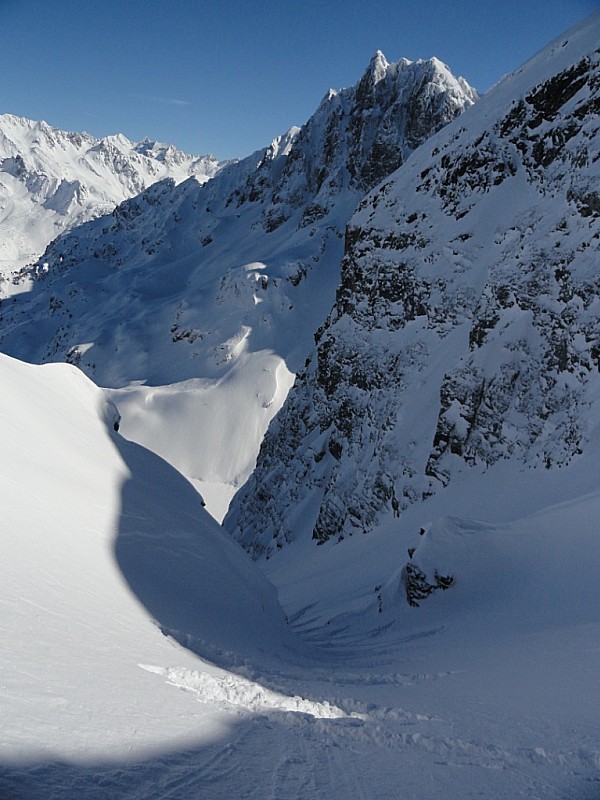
x,y
284,207
466,328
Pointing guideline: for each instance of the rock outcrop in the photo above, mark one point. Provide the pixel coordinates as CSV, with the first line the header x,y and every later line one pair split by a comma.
x,y
466,327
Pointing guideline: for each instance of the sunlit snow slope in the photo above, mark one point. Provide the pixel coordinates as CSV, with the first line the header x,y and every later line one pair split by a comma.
x,y
106,553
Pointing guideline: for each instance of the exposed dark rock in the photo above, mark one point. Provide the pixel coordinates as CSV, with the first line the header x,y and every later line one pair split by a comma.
x,y
418,588
465,328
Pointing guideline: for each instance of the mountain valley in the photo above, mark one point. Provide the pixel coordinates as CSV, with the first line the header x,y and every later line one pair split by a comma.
x,y
372,350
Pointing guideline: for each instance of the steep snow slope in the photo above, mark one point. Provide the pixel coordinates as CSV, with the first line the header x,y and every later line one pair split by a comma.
x,y
51,180
487,689
210,295
90,526
466,329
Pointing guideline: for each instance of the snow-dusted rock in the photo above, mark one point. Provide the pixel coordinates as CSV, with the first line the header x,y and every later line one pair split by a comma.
x,y
466,328
225,283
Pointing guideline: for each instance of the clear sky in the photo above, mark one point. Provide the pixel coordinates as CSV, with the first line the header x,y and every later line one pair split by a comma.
x,y
227,76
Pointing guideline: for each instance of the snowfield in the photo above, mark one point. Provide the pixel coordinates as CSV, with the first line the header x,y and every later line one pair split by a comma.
x,y
145,656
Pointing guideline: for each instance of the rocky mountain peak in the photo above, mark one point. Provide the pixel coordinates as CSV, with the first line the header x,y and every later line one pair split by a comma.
x,y
466,327
226,279
378,67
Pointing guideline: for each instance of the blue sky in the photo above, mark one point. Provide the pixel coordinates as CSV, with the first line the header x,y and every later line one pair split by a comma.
x,y
227,77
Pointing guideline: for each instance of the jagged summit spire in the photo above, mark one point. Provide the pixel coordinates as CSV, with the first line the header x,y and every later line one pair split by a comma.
x,y
378,62
377,69
439,358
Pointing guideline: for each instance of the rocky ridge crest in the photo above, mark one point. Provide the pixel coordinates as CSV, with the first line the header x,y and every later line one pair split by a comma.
x,y
466,328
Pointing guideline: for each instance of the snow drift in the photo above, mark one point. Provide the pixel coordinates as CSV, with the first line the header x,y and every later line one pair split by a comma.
x,y
107,559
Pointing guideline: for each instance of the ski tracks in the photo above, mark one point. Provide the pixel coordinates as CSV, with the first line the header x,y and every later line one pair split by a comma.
x,y
323,749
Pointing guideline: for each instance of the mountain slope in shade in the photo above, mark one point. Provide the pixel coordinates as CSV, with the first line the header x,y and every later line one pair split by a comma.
x,y
51,180
210,295
92,526
109,566
466,329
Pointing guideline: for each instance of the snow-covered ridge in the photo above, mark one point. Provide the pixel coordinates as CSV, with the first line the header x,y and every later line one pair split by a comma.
x,y
490,685
466,326
52,180
93,526
225,283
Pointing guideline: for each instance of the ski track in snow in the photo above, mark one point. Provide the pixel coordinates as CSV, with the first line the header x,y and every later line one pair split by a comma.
x,y
321,738
242,693
321,749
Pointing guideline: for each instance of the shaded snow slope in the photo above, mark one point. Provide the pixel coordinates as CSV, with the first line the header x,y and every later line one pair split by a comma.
x,y
486,689
106,552
52,180
224,284
466,328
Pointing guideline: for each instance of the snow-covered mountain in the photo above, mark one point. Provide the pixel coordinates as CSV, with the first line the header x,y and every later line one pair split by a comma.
x,y
144,656
450,653
51,180
210,295
466,328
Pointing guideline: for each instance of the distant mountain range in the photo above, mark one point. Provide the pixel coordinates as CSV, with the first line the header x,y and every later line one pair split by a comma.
x,y
51,180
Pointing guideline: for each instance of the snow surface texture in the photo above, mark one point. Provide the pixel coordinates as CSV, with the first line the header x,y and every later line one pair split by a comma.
x,y
144,656
466,329
210,296
51,180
